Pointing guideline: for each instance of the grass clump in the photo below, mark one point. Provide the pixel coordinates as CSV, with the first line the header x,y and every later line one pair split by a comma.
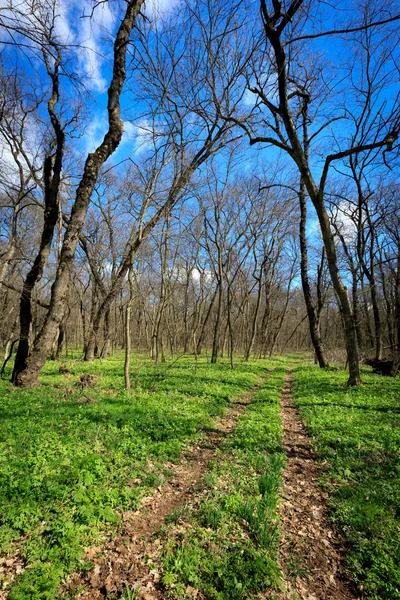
x,y
229,548
356,431
72,460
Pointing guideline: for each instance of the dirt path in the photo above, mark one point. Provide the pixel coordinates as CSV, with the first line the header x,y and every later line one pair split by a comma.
x,y
311,556
125,558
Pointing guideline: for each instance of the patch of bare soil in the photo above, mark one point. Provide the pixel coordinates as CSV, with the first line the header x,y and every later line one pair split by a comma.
x,y
126,557
10,567
311,555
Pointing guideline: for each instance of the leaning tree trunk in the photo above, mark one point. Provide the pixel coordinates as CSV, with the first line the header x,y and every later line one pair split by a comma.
x,y
36,272
29,374
52,179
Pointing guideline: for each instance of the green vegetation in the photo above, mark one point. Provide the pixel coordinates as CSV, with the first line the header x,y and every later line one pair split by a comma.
x,y
357,432
73,457
76,452
229,550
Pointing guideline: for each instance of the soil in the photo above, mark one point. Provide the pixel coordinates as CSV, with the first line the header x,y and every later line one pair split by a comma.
x,y
311,554
125,559
10,568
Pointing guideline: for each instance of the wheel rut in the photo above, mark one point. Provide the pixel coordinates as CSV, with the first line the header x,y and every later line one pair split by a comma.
x,y
124,559
311,555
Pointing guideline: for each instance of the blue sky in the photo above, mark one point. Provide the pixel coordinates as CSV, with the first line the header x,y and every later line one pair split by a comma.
x,y
90,51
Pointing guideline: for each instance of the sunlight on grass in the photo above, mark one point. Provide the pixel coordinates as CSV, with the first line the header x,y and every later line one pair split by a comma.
x,y
357,432
233,532
73,458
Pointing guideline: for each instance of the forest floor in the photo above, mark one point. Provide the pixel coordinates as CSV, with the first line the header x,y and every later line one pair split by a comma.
x,y
273,480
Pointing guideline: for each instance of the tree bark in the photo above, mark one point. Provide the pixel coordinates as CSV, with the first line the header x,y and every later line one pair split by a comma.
x,y
128,315
29,374
214,353
256,313
52,179
316,194
313,318
106,349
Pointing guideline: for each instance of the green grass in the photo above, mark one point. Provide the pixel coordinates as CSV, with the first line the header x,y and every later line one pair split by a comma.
x,y
229,548
72,460
357,431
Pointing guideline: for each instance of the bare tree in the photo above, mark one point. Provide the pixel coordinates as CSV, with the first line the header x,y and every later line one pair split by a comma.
x,y
28,375
284,81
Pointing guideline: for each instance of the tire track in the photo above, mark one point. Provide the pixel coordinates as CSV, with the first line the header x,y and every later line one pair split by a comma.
x,y
125,557
311,556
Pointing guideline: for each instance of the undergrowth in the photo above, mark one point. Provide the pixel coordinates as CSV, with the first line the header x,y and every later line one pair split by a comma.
x,y
229,547
357,432
73,458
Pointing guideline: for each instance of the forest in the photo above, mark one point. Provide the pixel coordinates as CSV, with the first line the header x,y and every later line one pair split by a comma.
x,y
200,299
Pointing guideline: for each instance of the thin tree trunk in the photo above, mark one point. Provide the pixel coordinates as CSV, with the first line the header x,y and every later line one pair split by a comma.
x,y
316,195
366,311
202,335
128,333
396,362
253,335
313,319
106,350
214,354
266,318
6,260
389,309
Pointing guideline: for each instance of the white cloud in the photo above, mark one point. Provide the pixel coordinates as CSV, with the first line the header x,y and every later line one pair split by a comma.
x,y
344,222
158,8
77,24
62,27
90,59
95,133
140,135
204,274
249,98
313,227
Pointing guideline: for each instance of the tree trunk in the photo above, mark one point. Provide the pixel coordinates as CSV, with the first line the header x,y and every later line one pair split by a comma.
x,y
313,318
128,333
397,309
367,319
299,155
52,178
106,350
214,354
28,374
253,334
202,335
266,317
